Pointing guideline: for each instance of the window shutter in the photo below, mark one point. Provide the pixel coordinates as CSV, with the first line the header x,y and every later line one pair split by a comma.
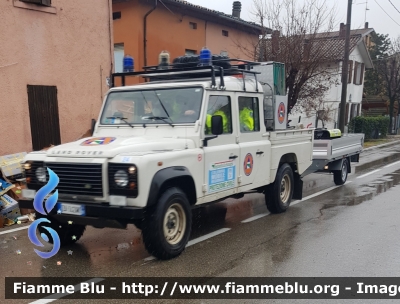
x,y
350,71
355,72
362,73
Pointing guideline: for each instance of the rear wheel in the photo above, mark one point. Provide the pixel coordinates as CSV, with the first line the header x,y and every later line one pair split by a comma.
x,y
340,176
279,194
166,227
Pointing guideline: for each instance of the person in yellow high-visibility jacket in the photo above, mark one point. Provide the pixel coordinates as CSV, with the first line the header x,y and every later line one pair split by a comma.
x,y
246,119
224,122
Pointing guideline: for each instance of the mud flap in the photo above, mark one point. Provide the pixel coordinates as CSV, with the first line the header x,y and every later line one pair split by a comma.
x,y
355,158
337,165
298,187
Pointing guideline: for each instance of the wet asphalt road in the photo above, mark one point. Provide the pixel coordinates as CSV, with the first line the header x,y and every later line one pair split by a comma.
x,y
350,230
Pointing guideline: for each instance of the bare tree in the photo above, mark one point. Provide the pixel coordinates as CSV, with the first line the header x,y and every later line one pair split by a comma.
x,y
302,39
312,102
388,67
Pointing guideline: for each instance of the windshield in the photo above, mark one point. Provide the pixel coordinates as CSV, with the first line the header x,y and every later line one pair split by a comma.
x,y
164,106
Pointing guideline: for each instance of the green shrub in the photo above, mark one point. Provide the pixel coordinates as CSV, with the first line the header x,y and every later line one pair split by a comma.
x,y
372,127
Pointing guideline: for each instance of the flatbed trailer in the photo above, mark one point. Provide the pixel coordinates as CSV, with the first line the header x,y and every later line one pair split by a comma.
x,y
335,155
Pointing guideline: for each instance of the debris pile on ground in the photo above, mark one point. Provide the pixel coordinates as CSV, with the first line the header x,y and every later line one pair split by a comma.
x,y
11,185
9,210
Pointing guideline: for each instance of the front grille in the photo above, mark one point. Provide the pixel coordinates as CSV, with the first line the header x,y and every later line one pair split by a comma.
x,y
78,179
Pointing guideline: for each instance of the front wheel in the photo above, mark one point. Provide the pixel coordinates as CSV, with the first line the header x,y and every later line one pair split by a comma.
x,y
340,176
279,194
167,226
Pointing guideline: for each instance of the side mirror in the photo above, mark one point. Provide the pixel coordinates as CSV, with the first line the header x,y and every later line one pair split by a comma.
x,y
92,126
217,127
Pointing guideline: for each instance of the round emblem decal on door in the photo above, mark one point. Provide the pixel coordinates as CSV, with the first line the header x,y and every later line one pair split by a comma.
x,y
281,112
248,164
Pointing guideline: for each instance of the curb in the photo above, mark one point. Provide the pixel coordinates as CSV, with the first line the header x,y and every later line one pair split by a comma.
x,y
388,158
383,145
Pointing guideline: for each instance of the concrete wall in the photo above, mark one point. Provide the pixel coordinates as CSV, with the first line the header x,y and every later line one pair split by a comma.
x,y
67,45
356,91
238,44
171,32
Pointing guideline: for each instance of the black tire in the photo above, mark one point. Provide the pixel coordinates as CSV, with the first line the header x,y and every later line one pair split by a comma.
x,y
138,224
279,194
340,176
173,207
68,233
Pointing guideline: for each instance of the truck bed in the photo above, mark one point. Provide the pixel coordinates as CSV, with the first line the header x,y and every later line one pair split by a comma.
x,y
326,151
336,148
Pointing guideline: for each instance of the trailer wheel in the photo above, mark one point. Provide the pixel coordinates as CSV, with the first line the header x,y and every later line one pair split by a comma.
x,y
279,194
166,226
340,176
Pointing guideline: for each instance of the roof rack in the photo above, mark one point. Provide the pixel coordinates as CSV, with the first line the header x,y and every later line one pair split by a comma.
x,y
171,72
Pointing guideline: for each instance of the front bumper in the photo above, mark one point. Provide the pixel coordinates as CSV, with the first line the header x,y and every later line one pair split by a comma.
x,y
97,215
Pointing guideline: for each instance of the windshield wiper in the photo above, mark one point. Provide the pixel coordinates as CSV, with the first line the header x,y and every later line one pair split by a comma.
x,y
124,119
159,118
161,104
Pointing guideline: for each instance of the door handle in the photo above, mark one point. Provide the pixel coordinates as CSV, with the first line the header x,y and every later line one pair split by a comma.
x,y
260,152
233,157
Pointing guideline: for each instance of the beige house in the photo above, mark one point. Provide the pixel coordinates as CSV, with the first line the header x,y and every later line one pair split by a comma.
x,y
55,57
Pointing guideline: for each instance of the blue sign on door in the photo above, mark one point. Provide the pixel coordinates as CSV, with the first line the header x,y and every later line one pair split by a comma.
x,y
221,176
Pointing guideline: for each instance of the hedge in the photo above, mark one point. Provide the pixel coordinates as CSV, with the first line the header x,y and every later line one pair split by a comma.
x,y
372,127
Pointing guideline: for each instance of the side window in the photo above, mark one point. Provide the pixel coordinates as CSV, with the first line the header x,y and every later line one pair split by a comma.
x,y
219,105
249,116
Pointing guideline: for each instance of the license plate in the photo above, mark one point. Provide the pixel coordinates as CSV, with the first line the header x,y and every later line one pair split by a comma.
x,y
73,209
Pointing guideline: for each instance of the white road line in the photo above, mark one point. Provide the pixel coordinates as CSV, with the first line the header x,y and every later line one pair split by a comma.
x,y
15,229
197,240
256,217
150,258
207,236
392,164
369,173
58,296
318,193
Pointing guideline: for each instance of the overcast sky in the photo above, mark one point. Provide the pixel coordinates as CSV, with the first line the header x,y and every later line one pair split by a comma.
x,y
376,16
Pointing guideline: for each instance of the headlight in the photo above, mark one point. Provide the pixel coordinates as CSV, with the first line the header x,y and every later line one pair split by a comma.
x,y
27,166
121,178
41,174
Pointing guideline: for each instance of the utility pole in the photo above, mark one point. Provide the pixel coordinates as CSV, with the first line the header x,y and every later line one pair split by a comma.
x,y
345,69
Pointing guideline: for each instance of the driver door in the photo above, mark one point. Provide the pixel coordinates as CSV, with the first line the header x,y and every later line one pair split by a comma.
x,y
222,154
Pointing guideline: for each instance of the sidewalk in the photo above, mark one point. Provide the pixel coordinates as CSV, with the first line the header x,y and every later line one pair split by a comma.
x,y
378,155
394,139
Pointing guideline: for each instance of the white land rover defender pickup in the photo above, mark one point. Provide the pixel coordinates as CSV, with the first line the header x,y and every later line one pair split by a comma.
x,y
188,136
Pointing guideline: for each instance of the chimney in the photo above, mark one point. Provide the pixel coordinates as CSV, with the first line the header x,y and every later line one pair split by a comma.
x,y
366,25
275,42
237,8
342,31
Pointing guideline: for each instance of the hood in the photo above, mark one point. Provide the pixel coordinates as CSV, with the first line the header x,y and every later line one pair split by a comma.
x,y
109,147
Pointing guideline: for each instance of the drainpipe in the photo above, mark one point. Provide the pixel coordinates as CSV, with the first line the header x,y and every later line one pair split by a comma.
x,y
111,37
145,31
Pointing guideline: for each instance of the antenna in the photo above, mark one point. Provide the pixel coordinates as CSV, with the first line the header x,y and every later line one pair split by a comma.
x,y
366,9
